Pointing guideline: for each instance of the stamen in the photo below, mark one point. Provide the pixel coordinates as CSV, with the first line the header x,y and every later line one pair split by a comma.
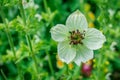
x,y
76,37
70,32
73,32
78,31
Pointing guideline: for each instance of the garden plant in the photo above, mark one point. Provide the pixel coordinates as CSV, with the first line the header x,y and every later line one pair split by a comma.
x,y
59,40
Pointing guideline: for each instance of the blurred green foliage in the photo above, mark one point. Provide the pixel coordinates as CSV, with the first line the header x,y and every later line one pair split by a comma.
x,y
101,14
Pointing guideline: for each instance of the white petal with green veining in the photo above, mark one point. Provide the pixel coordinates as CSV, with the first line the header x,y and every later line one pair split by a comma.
x,y
66,52
83,54
94,39
59,32
77,21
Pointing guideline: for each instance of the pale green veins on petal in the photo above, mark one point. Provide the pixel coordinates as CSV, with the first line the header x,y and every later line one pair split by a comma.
x,y
77,21
59,32
83,54
66,52
94,39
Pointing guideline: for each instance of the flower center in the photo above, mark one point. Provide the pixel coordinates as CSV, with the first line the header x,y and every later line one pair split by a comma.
x,y
76,37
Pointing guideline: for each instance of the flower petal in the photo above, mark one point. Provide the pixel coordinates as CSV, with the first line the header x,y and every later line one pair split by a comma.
x,y
94,39
59,32
77,21
83,54
66,52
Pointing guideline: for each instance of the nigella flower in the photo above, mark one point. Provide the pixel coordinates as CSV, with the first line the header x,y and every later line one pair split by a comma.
x,y
76,41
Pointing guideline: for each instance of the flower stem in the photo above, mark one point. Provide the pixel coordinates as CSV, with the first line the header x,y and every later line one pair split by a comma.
x,y
50,63
10,39
67,70
45,5
49,59
99,67
68,76
4,76
31,51
8,32
28,37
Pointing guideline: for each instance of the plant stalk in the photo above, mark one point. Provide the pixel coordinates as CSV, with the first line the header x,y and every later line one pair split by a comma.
x,y
50,63
4,76
10,39
28,37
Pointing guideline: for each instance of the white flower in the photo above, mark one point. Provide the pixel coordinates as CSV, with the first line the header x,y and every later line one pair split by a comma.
x,y
29,4
107,77
39,17
112,46
37,39
111,12
76,40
